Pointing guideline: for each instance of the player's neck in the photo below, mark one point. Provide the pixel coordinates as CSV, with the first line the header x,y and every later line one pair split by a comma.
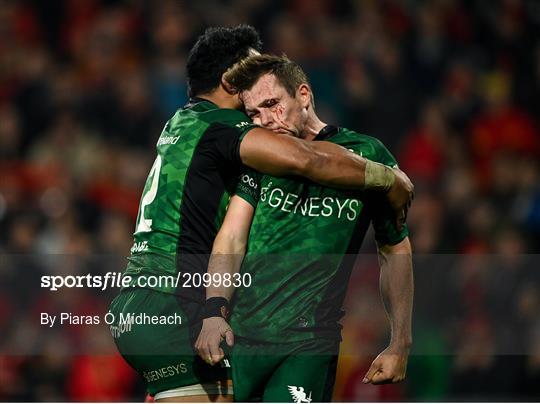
x,y
313,126
221,98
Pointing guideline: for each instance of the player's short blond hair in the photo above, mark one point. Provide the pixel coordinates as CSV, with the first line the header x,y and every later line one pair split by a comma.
x,y
244,74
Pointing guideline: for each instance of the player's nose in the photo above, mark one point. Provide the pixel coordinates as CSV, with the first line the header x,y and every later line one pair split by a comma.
x,y
266,119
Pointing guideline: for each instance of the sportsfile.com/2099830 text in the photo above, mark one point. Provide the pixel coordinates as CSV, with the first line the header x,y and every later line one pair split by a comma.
x,y
117,280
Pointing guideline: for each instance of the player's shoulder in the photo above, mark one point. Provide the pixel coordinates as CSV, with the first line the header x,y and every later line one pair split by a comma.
x,y
369,146
208,113
361,137
227,117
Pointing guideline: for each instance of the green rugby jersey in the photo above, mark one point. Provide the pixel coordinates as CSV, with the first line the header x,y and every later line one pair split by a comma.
x,y
186,193
302,246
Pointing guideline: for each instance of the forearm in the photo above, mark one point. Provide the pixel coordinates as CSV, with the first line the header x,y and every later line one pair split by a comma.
x,y
323,162
226,258
397,289
335,166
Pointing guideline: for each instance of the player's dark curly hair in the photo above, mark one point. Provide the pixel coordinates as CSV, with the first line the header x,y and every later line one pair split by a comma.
x,y
214,52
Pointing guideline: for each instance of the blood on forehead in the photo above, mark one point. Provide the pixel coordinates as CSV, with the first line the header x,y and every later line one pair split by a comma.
x,y
264,89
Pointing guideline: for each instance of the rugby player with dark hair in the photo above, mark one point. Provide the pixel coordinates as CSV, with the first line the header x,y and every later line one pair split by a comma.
x,y
199,155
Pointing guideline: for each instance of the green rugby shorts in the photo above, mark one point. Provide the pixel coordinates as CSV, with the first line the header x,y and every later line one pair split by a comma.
x,y
155,332
291,372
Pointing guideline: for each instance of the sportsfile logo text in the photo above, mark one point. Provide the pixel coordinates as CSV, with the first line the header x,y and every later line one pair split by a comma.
x,y
103,282
118,280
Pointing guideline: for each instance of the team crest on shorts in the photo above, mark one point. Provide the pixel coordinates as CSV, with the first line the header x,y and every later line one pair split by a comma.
x,y
299,395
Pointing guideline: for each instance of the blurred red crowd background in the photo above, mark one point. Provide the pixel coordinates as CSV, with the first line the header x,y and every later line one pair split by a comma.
x,y
451,87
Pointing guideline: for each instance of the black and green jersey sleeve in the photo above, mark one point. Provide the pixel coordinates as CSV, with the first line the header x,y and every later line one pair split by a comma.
x,y
248,186
187,192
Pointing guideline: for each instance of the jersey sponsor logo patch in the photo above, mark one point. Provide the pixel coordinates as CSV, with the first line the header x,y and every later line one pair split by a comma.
x,y
225,363
167,140
139,247
314,206
299,395
249,180
165,372
242,124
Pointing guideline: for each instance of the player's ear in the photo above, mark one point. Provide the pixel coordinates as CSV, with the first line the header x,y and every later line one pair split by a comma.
x,y
304,94
227,86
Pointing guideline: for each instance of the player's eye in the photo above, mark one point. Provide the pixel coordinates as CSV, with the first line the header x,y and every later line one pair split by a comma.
x,y
270,103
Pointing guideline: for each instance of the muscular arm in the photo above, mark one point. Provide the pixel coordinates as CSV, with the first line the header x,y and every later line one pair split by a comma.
x,y
327,164
322,162
396,285
230,246
227,255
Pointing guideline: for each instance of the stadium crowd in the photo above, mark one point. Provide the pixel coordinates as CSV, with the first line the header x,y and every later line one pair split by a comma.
x,y
451,87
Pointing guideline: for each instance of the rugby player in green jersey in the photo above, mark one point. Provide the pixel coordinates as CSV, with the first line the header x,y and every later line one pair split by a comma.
x,y
301,240
199,155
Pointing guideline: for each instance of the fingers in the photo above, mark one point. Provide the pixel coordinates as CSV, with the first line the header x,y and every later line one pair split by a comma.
x,y
401,217
386,369
384,378
216,353
209,350
374,368
202,348
229,337
213,331
400,197
381,378
398,379
406,178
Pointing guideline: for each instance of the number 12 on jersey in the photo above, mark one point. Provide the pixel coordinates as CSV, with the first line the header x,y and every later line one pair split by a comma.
x,y
143,224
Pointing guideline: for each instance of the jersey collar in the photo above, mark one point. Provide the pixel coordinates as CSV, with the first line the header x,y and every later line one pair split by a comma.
x,y
327,132
197,100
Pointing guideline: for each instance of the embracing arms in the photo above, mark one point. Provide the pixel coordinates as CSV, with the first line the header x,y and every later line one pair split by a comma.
x,y
325,163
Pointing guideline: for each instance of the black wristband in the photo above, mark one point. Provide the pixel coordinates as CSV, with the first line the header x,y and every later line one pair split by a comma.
x,y
216,307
